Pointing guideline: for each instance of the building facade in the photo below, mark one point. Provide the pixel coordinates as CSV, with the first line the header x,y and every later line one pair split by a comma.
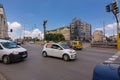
x,y
63,30
80,30
3,24
97,36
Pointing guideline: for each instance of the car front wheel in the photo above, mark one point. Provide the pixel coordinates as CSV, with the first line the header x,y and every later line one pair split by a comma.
x,y
6,60
66,57
44,54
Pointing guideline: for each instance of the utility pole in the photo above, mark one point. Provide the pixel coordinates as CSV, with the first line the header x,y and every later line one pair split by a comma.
x,y
44,26
104,38
113,7
104,28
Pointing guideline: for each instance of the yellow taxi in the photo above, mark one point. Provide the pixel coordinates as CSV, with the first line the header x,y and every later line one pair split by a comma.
x,y
76,44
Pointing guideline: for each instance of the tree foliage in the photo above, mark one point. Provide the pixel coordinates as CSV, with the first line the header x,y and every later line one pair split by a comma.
x,y
54,37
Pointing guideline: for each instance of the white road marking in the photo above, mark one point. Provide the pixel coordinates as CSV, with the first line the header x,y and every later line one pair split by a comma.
x,y
108,61
112,59
114,56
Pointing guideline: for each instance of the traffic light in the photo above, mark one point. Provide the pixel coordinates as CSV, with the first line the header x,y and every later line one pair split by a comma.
x,y
108,8
11,30
114,5
115,8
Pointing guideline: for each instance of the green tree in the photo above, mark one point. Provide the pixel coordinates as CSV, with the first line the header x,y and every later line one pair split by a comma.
x,y
54,37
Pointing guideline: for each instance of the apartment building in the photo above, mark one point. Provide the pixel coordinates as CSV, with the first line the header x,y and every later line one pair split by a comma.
x,y
3,24
80,30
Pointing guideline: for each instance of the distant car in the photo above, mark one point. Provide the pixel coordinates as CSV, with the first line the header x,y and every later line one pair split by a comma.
x,y
31,42
18,43
58,50
75,44
11,52
106,71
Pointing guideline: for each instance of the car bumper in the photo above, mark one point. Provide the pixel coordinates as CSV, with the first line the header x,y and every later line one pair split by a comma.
x,y
73,56
18,57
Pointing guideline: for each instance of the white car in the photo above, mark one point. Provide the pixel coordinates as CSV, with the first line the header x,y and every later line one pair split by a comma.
x,y
58,50
11,52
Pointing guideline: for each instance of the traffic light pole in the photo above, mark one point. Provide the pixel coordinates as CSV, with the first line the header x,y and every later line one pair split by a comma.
x,y
115,10
118,28
118,31
117,19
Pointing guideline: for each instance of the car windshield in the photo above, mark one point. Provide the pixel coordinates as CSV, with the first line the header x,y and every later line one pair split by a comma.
x,y
65,46
80,43
9,45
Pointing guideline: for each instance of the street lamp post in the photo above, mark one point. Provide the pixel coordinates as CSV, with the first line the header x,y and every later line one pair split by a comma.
x,y
44,26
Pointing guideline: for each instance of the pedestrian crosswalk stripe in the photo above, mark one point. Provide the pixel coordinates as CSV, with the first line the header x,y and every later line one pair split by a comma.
x,y
114,56
112,59
108,61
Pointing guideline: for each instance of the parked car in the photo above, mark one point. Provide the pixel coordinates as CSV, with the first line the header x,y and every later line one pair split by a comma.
x,y
106,71
11,52
58,50
31,42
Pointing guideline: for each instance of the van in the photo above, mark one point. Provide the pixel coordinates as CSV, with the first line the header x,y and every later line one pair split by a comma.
x,y
11,52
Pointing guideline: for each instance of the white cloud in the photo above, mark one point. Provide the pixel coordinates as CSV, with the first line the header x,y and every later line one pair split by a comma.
x,y
110,29
35,33
107,34
111,26
27,33
18,31
14,25
99,29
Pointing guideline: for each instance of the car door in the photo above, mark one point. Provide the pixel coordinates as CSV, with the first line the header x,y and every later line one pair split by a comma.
x,y
1,52
49,49
56,50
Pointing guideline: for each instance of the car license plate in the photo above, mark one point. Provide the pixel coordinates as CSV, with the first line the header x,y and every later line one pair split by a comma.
x,y
23,55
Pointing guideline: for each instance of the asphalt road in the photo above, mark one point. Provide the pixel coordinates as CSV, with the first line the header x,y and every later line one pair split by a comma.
x,y
36,67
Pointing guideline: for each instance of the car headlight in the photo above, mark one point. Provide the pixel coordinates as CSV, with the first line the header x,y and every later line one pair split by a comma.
x,y
70,51
14,52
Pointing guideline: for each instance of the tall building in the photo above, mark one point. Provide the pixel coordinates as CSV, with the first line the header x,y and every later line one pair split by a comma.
x,y
3,24
63,30
80,30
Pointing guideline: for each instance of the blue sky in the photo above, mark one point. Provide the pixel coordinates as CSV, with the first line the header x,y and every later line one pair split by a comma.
x,y
31,13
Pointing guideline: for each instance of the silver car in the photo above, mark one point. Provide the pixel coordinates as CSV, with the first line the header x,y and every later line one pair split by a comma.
x,y
58,50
